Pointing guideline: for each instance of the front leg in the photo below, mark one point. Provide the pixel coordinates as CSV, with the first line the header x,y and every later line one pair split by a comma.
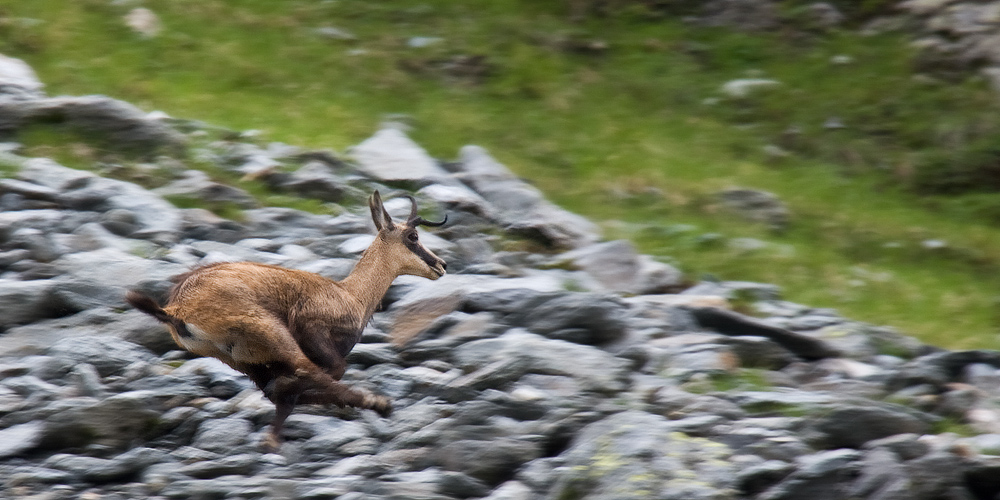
x,y
326,344
342,395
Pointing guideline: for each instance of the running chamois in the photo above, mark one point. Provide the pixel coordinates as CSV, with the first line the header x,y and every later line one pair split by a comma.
x,y
289,330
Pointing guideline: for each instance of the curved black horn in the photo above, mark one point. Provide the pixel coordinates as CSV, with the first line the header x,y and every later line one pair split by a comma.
x,y
419,221
416,220
413,209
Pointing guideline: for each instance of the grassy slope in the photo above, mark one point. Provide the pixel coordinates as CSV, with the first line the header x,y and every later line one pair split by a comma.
x,y
592,129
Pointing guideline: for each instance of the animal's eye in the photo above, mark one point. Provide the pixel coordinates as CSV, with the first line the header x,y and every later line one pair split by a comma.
x,y
412,236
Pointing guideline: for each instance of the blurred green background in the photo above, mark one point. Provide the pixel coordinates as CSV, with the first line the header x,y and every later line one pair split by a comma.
x,y
616,110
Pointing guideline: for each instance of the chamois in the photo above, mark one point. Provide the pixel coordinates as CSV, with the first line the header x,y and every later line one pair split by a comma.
x,y
289,330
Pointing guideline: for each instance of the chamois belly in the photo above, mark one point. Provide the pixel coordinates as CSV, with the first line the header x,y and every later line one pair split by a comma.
x,y
197,341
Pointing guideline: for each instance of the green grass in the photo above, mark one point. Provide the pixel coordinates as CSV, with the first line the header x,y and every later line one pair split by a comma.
x,y
595,129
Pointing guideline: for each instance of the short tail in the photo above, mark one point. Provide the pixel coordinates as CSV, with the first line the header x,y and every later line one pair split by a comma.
x,y
149,306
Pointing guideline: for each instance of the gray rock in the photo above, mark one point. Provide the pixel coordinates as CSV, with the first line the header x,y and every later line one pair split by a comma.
x,y
335,33
852,426
677,404
601,317
24,302
141,329
459,485
316,180
119,123
157,219
100,470
547,356
109,355
51,175
938,475
924,7
456,198
21,438
745,87
754,205
618,267
511,490
759,352
883,476
117,422
826,475
231,486
143,22
372,354
279,222
30,385
519,207
87,380
823,15
331,433
94,236
120,221
200,224
748,15
488,461
223,381
16,73
390,156
635,454
197,184
28,190
756,479
222,435
101,278
31,475
495,375
905,446
43,247
244,464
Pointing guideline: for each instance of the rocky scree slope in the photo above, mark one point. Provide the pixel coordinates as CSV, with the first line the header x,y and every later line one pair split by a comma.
x,y
585,370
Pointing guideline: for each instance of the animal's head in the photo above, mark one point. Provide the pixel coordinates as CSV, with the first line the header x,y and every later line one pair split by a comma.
x,y
401,242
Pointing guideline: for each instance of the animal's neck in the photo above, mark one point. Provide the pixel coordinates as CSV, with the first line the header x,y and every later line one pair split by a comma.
x,y
370,279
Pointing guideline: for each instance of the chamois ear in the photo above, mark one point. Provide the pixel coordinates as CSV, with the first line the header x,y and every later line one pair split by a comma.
x,y
380,216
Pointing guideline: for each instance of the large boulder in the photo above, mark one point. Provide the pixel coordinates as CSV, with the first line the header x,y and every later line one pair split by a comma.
x,y
588,318
116,422
15,74
518,206
390,156
593,368
109,355
197,184
156,218
620,268
101,278
23,302
118,123
851,426
639,455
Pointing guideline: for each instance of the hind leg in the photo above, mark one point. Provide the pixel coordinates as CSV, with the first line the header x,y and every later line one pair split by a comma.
x,y
284,392
265,351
